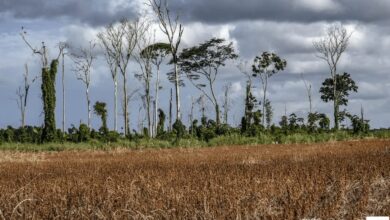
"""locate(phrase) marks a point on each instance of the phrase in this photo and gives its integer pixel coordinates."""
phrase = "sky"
(286, 27)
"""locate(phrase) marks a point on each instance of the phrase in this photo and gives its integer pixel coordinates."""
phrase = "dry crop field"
(345, 180)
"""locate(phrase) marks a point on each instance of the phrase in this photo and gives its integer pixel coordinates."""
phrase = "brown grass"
(346, 180)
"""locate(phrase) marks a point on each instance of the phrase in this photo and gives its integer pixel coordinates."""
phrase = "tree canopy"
(344, 86)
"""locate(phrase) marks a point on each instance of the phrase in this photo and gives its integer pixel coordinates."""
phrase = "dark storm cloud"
(220, 11)
(94, 12)
(98, 12)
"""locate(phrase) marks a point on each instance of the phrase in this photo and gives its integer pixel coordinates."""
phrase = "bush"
(84, 133)
(179, 129)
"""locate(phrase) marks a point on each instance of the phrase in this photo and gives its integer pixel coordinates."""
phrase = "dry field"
(346, 180)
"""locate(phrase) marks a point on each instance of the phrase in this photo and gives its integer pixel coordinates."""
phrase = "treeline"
(204, 130)
(133, 41)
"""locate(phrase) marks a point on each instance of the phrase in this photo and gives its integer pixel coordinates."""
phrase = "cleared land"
(344, 180)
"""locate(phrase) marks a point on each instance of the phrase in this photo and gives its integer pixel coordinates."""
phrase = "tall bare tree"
(62, 46)
(173, 30)
(41, 52)
(144, 58)
(330, 49)
(158, 52)
(22, 94)
(83, 60)
(119, 42)
(111, 40)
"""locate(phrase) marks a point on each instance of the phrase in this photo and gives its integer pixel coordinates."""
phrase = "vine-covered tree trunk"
(170, 112)
(336, 115)
(335, 103)
(49, 102)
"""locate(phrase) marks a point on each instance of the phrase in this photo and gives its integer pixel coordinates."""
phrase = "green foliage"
(204, 61)
(251, 122)
(339, 94)
(284, 123)
(250, 103)
(268, 113)
(344, 86)
(179, 129)
(27, 134)
(359, 125)
(294, 122)
(233, 137)
(210, 54)
(49, 102)
(84, 134)
(264, 67)
(156, 52)
(101, 111)
(161, 123)
(324, 122)
(268, 64)
(112, 136)
(312, 121)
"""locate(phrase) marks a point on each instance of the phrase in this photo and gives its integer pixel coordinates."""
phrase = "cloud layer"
(287, 27)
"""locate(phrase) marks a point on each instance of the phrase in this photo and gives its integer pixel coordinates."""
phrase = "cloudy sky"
(287, 27)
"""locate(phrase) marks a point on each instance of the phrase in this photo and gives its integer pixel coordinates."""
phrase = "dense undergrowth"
(171, 141)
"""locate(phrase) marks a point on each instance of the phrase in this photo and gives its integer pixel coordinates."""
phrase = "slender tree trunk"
(63, 93)
(177, 87)
(125, 112)
(148, 107)
(335, 102)
(203, 107)
(192, 115)
(225, 114)
(310, 104)
(23, 101)
(154, 121)
(89, 107)
(156, 101)
(265, 85)
(362, 114)
(23, 110)
(217, 118)
(116, 104)
(25, 106)
(170, 111)
(336, 116)
(226, 105)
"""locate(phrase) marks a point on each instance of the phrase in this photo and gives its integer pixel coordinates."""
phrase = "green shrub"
(179, 129)
(84, 133)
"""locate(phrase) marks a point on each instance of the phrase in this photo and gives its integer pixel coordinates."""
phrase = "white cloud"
(319, 5)
(195, 33)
